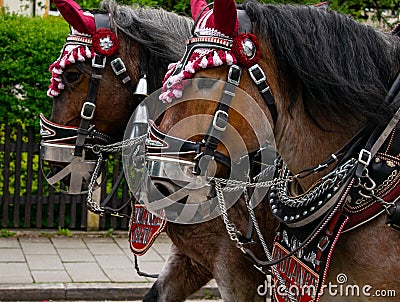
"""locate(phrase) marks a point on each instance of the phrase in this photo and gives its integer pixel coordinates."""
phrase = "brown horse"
(327, 76)
(199, 252)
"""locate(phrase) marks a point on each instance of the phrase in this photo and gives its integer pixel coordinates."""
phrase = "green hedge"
(27, 47)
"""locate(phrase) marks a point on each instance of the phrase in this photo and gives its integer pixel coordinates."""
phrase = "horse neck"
(303, 144)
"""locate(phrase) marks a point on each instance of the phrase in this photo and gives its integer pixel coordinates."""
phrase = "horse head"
(304, 85)
(103, 72)
(193, 135)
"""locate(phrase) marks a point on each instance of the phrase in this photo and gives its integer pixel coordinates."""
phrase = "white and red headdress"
(218, 25)
(83, 42)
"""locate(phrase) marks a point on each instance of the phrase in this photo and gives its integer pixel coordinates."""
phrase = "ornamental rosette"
(105, 42)
(246, 49)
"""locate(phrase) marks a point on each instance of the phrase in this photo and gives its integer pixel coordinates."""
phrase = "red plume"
(225, 17)
(75, 17)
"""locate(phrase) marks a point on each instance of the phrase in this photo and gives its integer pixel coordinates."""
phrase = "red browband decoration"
(241, 47)
(81, 39)
(222, 41)
(105, 42)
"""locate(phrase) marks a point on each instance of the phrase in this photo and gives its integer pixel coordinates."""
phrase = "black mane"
(159, 33)
(345, 68)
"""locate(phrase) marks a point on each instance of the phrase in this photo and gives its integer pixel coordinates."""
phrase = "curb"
(85, 291)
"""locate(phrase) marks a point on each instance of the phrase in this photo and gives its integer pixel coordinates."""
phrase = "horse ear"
(73, 14)
(225, 17)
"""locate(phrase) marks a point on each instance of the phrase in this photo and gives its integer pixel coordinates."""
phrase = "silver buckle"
(230, 80)
(323, 243)
(87, 117)
(102, 65)
(257, 81)
(113, 66)
(215, 120)
(363, 153)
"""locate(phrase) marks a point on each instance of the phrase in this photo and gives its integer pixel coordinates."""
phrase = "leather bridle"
(206, 150)
(57, 140)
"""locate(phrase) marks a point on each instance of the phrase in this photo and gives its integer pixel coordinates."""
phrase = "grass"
(109, 232)
(208, 295)
(64, 232)
(4, 233)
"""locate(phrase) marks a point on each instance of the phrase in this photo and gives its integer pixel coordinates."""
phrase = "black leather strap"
(259, 78)
(245, 25)
(87, 112)
(220, 120)
(378, 136)
(120, 71)
(102, 20)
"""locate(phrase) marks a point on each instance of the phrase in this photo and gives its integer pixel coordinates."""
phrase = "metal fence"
(27, 201)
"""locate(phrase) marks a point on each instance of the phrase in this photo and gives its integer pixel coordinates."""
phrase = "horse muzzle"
(165, 172)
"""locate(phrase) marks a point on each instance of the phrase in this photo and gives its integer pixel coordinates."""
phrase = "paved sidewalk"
(87, 266)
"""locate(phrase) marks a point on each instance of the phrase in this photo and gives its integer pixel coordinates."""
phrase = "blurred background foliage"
(30, 44)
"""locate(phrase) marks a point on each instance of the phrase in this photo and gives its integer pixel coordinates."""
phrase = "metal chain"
(230, 227)
(232, 185)
(264, 245)
(91, 204)
(234, 233)
(333, 179)
(116, 147)
(99, 149)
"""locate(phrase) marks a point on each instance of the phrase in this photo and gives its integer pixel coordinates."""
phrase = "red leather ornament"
(105, 42)
(246, 49)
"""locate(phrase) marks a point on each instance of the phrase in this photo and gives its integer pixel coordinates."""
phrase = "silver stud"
(249, 48)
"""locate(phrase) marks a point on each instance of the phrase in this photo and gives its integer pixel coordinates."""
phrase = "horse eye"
(205, 83)
(72, 76)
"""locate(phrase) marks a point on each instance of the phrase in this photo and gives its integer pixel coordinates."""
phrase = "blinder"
(57, 148)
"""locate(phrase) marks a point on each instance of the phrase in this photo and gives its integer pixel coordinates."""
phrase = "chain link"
(234, 233)
(230, 227)
(333, 179)
(264, 245)
(99, 149)
(232, 185)
(91, 204)
(117, 147)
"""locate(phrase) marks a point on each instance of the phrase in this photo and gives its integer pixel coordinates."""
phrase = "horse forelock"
(345, 68)
(160, 34)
